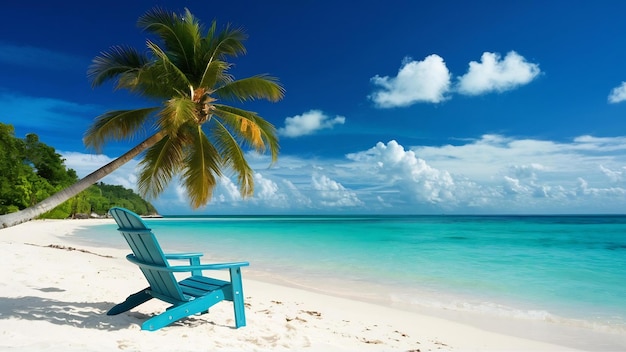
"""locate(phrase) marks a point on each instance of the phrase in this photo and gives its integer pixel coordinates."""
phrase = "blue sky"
(448, 107)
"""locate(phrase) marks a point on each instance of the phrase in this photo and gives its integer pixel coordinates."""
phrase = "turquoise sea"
(568, 270)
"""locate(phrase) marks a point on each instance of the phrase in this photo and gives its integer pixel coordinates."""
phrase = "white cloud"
(513, 185)
(535, 175)
(494, 155)
(411, 176)
(309, 123)
(417, 81)
(333, 193)
(618, 94)
(270, 194)
(527, 171)
(613, 175)
(491, 174)
(607, 192)
(181, 193)
(496, 74)
(226, 191)
(265, 188)
(84, 164)
(296, 198)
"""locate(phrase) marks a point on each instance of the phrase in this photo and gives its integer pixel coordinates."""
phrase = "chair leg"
(131, 302)
(238, 304)
(184, 310)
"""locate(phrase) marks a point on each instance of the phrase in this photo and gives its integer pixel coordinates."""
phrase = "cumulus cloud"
(527, 171)
(608, 192)
(412, 176)
(613, 175)
(600, 144)
(529, 180)
(430, 80)
(618, 94)
(333, 193)
(295, 196)
(532, 189)
(513, 185)
(417, 81)
(493, 73)
(226, 191)
(309, 123)
(265, 188)
(84, 164)
(490, 174)
(492, 155)
(275, 195)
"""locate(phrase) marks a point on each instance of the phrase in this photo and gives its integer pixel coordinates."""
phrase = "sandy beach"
(55, 295)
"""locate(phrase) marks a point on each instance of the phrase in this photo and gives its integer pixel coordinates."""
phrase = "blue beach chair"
(193, 295)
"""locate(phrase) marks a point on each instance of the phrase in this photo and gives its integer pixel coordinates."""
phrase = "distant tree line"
(31, 171)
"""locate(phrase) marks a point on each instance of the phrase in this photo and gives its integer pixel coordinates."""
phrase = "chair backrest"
(147, 250)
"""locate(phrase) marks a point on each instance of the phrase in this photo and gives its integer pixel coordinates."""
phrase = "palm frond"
(228, 42)
(255, 87)
(176, 112)
(234, 158)
(246, 130)
(152, 82)
(250, 128)
(159, 164)
(181, 34)
(214, 73)
(121, 63)
(169, 74)
(116, 125)
(214, 49)
(202, 165)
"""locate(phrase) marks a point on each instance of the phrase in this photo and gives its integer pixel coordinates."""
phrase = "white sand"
(55, 299)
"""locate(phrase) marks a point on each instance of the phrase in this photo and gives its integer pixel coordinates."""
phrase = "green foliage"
(47, 163)
(31, 171)
(60, 212)
(98, 199)
(112, 195)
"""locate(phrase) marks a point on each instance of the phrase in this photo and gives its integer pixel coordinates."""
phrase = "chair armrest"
(186, 268)
(216, 266)
(183, 255)
(194, 259)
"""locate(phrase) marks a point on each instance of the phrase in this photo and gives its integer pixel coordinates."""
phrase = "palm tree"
(193, 135)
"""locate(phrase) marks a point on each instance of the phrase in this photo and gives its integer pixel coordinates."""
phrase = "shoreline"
(39, 279)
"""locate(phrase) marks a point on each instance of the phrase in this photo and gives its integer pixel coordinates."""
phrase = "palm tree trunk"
(12, 219)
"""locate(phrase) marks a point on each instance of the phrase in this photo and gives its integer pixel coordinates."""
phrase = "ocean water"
(569, 270)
